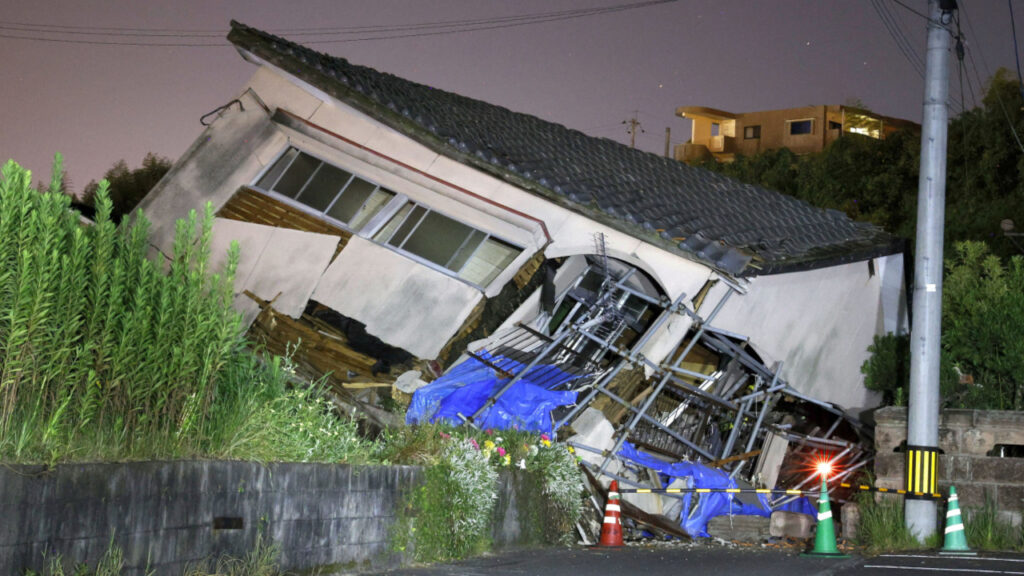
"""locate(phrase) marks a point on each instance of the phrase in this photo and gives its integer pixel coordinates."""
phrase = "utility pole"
(923, 408)
(633, 123)
(668, 139)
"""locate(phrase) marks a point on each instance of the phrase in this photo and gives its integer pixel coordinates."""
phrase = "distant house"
(721, 135)
(386, 222)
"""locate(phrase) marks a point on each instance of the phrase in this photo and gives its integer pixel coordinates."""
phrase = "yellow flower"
(488, 446)
(507, 459)
(546, 443)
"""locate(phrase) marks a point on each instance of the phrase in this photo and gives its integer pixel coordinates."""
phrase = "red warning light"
(822, 465)
(824, 468)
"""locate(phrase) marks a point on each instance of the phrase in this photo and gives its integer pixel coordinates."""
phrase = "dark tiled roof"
(734, 227)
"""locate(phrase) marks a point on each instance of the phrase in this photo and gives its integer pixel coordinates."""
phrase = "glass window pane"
(437, 238)
(490, 259)
(275, 171)
(324, 187)
(801, 127)
(375, 204)
(384, 234)
(297, 175)
(460, 258)
(351, 200)
(414, 218)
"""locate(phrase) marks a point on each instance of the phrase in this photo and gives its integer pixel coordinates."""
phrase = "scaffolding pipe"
(664, 380)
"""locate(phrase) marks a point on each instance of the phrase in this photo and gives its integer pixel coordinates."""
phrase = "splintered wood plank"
(255, 207)
(321, 349)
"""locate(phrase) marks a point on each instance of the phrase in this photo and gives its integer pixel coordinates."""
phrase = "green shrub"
(887, 369)
(983, 327)
(450, 516)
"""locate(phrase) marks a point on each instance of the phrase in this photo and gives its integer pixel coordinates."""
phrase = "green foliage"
(983, 327)
(127, 187)
(261, 418)
(986, 531)
(261, 561)
(450, 516)
(882, 525)
(877, 180)
(887, 370)
(104, 355)
(111, 564)
(455, 504)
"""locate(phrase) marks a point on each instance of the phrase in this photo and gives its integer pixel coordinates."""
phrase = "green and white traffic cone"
(956, 538)
(825, 535)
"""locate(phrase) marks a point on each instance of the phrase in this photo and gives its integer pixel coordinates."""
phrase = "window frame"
(790, 123)
(379, 220)
(392, 210)
(297, 203)
(754, 128)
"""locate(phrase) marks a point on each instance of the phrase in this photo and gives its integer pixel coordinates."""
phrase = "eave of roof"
(735, 228)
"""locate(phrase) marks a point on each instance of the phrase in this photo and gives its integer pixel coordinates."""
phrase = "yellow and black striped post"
(922, 471)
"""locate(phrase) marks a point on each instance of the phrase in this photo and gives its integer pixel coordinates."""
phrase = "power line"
(908, 8)
(999, 97)
(44, 32)
(898, 36)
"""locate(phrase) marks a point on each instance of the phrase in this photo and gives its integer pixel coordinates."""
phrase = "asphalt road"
(661, 560)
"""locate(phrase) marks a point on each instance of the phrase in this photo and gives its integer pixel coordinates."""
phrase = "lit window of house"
(327, 189)
(751, 132)
(797, 127)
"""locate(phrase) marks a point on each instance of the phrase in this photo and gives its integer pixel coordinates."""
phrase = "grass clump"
(987, 531)
(882, 526)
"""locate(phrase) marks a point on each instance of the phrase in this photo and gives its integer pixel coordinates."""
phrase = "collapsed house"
(386, 225)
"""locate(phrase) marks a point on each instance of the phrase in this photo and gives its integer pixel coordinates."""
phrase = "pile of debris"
(712, 415)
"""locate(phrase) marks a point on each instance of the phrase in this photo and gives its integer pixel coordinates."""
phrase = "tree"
(877, 180)
(128, 187)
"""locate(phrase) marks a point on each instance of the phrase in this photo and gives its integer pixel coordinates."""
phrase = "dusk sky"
(67, 89)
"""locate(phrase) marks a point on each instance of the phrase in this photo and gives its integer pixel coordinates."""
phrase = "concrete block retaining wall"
(167, 515)
(966, 438)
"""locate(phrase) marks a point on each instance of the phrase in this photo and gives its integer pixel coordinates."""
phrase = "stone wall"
(966, 438)
(167, 515)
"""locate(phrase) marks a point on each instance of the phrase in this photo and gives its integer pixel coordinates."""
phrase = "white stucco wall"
(819, 323)
(412, 307)
(276, 264)
(225, 156)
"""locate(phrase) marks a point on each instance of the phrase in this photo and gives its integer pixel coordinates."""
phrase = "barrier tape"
(786, 492)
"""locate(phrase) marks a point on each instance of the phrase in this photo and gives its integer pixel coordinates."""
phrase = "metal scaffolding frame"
(742, 399)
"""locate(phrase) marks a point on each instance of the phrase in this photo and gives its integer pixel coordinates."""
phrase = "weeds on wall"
(105, 355)
(450, 516)
(261, 561)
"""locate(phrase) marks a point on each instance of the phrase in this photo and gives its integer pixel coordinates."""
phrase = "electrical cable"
(1016, 51)
(999, 98)
(30, 31)
(908, 53)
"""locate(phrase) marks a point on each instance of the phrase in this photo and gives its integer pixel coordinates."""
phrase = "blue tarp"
(527, 405)
(710, 505)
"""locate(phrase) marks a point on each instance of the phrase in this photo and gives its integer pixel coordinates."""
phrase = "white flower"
(521, 464)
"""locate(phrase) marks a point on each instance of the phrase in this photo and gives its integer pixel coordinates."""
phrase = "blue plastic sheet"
(527, 405)
(709, 505)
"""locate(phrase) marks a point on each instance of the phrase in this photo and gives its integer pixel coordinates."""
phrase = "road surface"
(716, 560)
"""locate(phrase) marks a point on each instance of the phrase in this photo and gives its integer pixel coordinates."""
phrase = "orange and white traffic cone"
(611, 530)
